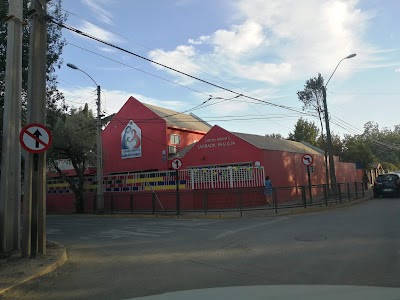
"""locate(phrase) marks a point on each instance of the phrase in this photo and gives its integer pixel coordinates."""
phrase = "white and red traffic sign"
(35, 138)
(307, 159)
(176, 164)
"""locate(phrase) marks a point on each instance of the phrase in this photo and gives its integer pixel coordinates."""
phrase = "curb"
(50, 268)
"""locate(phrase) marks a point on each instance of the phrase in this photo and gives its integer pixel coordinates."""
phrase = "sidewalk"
(15, 270)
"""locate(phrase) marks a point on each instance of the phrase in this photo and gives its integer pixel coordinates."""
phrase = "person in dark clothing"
(267, 190)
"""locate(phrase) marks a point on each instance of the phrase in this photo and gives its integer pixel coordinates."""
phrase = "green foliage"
(305, 131)
(389, 167)
(337, 143)
(74, 139)
(275, 135)
(312, 95)
(356, 149)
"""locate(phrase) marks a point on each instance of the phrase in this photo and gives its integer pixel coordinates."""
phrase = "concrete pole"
(10, 186)
(100, 193)
(332, 171)
(35, 164)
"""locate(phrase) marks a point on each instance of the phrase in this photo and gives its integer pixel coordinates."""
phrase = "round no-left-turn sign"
(307, 159)
(35, 138)
(176, 164)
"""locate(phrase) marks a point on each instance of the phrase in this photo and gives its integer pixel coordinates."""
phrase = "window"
(175, 139)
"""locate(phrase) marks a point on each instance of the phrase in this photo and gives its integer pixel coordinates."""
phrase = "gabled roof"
(179, 120)
(313, 147)
(269, 143)
(182, 152)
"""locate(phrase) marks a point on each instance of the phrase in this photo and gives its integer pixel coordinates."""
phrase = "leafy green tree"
(305, 131)
(74, 139)
(384, 143)
(312, 98)
(389, 167)
(337, 144)
(356, 149)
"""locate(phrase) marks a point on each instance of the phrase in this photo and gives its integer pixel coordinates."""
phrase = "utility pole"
(34, 225)
(332, 171)
(99, 152)
(100, 193)
(10, 186)
(329, 145)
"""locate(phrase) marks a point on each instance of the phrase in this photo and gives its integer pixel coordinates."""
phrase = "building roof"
(179, 120)
(313, 147)
(269, 143)
(182, 152)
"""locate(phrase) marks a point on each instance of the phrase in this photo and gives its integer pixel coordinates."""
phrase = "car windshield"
(387, 178)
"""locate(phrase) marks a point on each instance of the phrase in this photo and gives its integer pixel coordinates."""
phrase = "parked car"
(387, 185)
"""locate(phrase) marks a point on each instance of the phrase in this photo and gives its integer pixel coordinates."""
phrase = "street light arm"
(89, 76)
(334, 71)
(72, 66)
(347, 57)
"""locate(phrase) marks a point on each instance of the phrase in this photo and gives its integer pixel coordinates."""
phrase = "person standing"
(268, 190)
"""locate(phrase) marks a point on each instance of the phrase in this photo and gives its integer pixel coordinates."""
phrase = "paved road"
(119, 258)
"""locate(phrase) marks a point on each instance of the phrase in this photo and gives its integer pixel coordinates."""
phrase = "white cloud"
(112, 100)
(103, 14)
(108, 49)
(241, 39)
(397, 70)
(276, 41)
(99, 32)
(199, 41)
(183, 56)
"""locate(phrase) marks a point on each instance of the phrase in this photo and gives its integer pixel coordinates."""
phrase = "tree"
(55, 45)
(312, 97)
(384, 143)
(355, 149)
(305, 131)
(275, 136)
(74, 139)
(337, 144)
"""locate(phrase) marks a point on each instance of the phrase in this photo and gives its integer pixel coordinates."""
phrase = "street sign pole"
(307, 161)
(178, 199)
(309, 183)
(176, 165)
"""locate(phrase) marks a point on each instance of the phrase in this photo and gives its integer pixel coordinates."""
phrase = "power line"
(160, 64)
(137, 69)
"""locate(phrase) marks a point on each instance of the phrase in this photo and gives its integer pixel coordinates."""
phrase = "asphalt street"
(121, 258)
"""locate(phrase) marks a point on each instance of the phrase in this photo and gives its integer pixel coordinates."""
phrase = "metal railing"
(236, 199)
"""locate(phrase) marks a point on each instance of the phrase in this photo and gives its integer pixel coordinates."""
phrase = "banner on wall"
(131, 141)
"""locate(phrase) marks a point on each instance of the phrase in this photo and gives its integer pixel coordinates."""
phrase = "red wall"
(153, 140)
(218, 147)
(287, 168)
(187, 137)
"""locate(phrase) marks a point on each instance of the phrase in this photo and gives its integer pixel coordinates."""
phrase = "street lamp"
(328, 131)
(99, 158)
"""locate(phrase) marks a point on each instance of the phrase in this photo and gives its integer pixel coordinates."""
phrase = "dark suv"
(387, 185)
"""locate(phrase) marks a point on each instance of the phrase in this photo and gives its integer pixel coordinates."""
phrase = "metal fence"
(235, 199)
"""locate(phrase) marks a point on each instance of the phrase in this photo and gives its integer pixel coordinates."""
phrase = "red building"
(141, 140)
(142, 137)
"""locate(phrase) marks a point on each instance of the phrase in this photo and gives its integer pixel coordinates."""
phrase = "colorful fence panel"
(189, 179)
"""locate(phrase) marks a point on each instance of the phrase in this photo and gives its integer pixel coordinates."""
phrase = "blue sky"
(264, 49)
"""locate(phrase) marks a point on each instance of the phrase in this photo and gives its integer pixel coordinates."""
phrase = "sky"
(263, 50)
